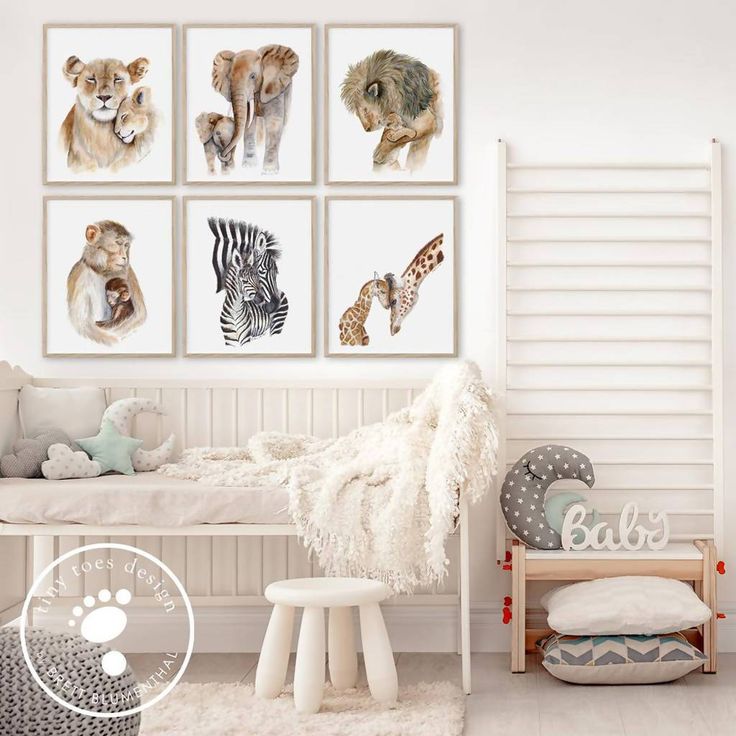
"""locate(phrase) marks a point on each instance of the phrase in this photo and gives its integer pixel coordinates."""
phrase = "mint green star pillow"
(111, 449)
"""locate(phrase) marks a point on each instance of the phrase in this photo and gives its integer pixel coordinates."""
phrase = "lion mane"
(403, 84)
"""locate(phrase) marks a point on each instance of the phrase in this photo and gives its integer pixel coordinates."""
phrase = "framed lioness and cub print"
(108, 276)
(109, 104)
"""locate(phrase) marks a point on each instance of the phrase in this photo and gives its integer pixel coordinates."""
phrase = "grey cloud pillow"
(28, 454)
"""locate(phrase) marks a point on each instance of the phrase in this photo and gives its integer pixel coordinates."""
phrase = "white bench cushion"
(146, 499)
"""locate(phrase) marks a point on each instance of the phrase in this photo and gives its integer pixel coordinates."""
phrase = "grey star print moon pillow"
(526, 484)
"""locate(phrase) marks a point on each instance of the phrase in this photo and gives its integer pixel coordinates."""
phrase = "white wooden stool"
(314, 595)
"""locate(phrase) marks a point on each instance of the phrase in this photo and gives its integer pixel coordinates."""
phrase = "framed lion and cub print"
(108, 276)
(390, 108)
(109, 104)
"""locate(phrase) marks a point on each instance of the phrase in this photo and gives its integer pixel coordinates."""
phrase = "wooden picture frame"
(330, 91)
(170, 304)
(401, 203)
(169, 120)
(262, 180)
(311, 252)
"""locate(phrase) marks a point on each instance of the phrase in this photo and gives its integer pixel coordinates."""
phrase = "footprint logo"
(103, 622)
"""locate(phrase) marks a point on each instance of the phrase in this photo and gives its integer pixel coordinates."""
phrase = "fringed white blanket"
(380, 501)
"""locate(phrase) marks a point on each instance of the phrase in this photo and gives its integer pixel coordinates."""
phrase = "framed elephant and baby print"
(249, 103)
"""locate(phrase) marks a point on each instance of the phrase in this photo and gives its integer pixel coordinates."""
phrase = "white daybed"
(152, 506)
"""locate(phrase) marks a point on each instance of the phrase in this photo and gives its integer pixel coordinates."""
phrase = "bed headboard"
(11, 381)
(227, 412)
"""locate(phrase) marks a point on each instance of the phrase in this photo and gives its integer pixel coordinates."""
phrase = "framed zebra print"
(249, 276)
(389, 273)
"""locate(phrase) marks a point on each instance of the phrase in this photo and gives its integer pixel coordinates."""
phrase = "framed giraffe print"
(249, 276)
(390, 281)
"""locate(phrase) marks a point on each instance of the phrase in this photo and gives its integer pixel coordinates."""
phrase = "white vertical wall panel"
(611, 296)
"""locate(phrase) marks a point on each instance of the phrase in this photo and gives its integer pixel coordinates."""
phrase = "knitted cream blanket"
(380, 501)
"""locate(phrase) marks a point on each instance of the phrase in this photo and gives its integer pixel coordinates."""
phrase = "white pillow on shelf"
(76, 411)
(633, 604)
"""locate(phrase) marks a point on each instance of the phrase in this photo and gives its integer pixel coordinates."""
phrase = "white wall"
(565, 79)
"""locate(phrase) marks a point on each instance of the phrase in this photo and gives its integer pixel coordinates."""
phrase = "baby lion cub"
(135, 126)
(117, 295)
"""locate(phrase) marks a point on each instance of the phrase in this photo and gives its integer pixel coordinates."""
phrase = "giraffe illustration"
(352, 322)
(403, 293)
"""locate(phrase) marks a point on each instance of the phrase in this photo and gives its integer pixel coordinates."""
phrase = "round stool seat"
(327, 592)
(314, 595)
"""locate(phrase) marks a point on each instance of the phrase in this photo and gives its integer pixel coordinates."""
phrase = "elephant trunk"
(244, 110)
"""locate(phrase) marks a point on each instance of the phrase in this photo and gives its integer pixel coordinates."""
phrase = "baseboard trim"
(411, 629)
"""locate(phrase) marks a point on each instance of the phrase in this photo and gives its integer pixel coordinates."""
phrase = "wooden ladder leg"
(710, 630)
(706, 590)
(518, 607)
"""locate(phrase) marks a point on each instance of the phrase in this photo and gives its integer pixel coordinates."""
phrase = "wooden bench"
(688, 561)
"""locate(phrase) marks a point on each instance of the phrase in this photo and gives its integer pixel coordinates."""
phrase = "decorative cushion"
(619, 660)
(26, 709)
(65, 463)
(525, 486)
(76, 411)
(121, 413)
(624, 605)
(110, 449)
(28, 454)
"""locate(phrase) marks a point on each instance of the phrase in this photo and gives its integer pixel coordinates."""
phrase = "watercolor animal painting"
(110, 125)
(258, 85)
(401, 95)
(398, 295)
(104, 298)
(245, 259)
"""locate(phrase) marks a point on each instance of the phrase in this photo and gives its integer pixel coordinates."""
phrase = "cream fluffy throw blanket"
(380, 501)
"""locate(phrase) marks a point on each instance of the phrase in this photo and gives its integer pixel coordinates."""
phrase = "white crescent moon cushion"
(64, 463)
(121, 414)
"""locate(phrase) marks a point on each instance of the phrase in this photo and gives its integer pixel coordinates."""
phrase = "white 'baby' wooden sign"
(631, 536)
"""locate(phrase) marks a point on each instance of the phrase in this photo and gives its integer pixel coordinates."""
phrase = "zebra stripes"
(244, 258)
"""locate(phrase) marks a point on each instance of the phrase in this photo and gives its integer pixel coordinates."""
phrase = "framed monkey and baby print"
(108, 276)
(247, 117)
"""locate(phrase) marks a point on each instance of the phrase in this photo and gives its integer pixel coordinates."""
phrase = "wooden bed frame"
(202, 419)
(691, 562)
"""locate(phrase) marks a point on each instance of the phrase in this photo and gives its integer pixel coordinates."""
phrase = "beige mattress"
(146, 499)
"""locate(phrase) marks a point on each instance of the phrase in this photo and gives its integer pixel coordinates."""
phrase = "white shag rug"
(231, 709)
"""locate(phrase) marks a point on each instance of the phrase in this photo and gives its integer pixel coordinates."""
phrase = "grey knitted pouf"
(26, 709)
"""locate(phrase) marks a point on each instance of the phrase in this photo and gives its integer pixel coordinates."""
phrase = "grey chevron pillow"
(619, 660)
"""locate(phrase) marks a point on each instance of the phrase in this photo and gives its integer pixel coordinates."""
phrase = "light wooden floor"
(536, 704)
